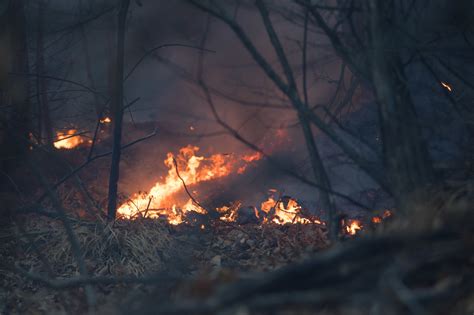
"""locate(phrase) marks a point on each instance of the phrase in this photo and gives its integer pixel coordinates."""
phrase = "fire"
(376, 220)
(285, 210)
(187, 168)
(192, 169)
(446, 86)
(105, 120)
(249, 158)
(252, 157)
(69, 139)
(229, 213)
(353, 227)
(379, 219)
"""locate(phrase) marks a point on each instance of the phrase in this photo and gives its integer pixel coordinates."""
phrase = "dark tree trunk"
(117, 105)
(15, 119)
(406, 158)
(98, 105)
(45, 126)
(321, 177)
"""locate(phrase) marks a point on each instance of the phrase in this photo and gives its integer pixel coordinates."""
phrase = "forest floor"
(146, 266)
(139, 248)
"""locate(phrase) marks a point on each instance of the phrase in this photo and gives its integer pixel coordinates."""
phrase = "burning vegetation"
(188, 169)
(70, 139)
(311, 157)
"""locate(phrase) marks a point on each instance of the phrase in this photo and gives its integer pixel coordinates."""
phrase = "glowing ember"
(105, 120)
(376, 220)
(193, 169)
(353, 227)
(379, 219)
(446, 86)
(69, 139)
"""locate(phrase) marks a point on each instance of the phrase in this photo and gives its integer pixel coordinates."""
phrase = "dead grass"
(125, 248)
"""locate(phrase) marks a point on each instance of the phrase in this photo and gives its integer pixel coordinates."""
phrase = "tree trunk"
(45, 126)
(321, 177)
(117, 105)
(406, 156)
(98, 105)
(15, 119)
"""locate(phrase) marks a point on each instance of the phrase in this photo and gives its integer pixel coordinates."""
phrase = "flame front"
(163, 200)
(69, 139)
(192, 169)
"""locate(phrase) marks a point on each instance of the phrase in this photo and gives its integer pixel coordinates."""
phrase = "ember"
(446, 86)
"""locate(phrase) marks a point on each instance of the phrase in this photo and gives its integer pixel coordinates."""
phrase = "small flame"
(446, 86)
(68, 140)
(354, 227)
(105, 120)
(229, 213)
(376, 220)
(288, 211)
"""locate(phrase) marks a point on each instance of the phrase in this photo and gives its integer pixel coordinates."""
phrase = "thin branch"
(88, 161)
(79, 281)
(152, 50)
(186, 187)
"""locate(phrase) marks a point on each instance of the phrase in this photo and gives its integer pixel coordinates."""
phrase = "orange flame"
(105, 120)
(193, 169)
(283, 212)
(162, 200)
(376, 220)
(354, 227)
(229, 213)
(68, 140)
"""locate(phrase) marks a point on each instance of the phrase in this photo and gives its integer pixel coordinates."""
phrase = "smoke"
(171, 102)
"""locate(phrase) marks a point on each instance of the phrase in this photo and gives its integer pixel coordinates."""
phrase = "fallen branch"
(75, 282)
